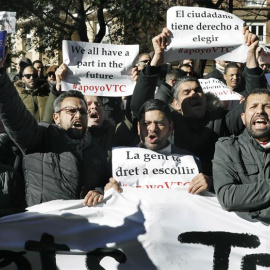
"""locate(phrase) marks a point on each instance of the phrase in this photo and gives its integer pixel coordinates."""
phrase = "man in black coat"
(60, 160)
(197, 124)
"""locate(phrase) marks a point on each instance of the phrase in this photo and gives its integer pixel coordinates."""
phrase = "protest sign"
(143, 168)
(203, 33)
(99, 69)
(219, 89)
(8, 21)
(142, 228)
(264, 55)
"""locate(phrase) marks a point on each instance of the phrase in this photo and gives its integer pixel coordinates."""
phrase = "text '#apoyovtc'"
(104, 88)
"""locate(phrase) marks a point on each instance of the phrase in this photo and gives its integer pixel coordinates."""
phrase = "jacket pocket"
(248, 172)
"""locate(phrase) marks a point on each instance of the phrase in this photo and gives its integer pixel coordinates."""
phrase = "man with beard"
(155, 126)
(33, 92)
(60, 160)
(241, 165)
(198, 122)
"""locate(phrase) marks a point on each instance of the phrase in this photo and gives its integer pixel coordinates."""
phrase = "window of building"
(255, 3)
(259, 30)
(28, 42)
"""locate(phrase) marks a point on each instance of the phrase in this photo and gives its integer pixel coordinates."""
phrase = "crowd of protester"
(58, 145)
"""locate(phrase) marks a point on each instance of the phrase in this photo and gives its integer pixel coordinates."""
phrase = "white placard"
(143, 168)
(8, 21)
(264, 55)
(219, 89)
(99, 69)
(203, 33)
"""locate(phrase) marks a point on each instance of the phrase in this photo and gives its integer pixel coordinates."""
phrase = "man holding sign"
(197, 127)
(155, 126)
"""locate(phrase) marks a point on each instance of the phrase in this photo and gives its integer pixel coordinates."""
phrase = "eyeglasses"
(73, 111)
(28, 76)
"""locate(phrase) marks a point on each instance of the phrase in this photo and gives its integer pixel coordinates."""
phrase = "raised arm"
(147, 81)
(20, 124)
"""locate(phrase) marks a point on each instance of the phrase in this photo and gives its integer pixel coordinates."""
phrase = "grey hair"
(184, 79)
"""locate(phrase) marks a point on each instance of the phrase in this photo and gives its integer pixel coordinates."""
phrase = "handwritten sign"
(99, 69)
(202, 33)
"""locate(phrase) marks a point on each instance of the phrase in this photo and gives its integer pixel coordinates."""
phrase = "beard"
(258, 134)
(76, 134)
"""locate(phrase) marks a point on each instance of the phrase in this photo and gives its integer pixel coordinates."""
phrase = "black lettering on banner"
(7, 257)
(222, 243)
(47, 249)
(249, 262)
(94, 257)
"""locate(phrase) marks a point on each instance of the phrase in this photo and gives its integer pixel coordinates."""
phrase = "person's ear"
(243, 118)
(176, 105)
(139, 129)
(56, 118)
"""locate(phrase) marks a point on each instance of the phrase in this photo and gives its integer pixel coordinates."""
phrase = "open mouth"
(152, 138)
(93, 115)
(260, 123)
(77, 124)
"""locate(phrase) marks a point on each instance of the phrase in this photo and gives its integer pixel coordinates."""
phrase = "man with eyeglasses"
(33, 92)
(60, 160)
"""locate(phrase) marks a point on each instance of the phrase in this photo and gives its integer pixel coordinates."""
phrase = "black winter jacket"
(51, 170)
(197, 135)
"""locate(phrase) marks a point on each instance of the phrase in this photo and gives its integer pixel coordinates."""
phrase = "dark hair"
(31, 67)
(255, 91)
(174, 74)
(185, 65)
(155, 104)
(37, 61)
(184, 79)
(231, 65)
(71, 93)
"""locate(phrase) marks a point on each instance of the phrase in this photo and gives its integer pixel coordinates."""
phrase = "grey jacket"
(241, 171)
(51, 169)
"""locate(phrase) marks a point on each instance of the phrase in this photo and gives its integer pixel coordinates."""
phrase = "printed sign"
(8, 21)
(203, 33)
(219, 89)
(99, 69)
(142, 168)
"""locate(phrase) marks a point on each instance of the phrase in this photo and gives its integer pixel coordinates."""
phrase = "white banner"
(8, 21)
(203, 33)
(143, 168)
(219, 89)
(99, 69)
(152, 229)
